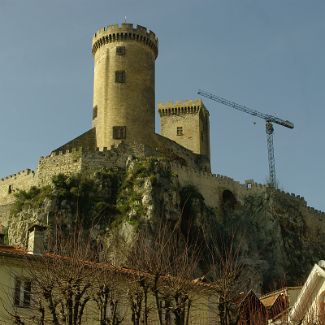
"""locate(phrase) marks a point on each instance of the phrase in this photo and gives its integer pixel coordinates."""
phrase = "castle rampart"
(9, 185)
(125, 32)
(212, 186)
(88, 162)
(66, 162)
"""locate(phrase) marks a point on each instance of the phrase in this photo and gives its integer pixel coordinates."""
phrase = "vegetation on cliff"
(267, 230)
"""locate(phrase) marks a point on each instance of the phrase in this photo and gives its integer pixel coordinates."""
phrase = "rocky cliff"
(272, 236)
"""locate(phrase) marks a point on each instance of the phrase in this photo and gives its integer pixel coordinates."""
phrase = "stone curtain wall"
(187, 169)
(9, 185)
(22, 180)
(68, 162)
(115, 157)
(211, 187)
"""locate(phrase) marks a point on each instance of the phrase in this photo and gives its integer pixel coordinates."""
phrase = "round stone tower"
(124, 84)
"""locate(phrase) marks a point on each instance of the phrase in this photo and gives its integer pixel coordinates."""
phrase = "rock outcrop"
(274, 243)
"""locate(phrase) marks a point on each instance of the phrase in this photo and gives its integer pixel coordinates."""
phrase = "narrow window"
(27, 293)
(22, 293)
(94, 112)
(120, 76)
(179, 130)
(119, 132)
(10, 189)
(120, 50)
(17, 292)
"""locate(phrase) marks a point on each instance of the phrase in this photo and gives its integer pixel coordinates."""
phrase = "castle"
(123, 124)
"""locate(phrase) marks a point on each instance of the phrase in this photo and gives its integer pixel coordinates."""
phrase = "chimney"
(321, 263)
(36, 240)
(2, 235)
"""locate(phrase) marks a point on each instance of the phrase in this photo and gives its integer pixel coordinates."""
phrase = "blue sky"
(268, 55)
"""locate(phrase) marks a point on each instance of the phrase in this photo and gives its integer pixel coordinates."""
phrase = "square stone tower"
(187, 123)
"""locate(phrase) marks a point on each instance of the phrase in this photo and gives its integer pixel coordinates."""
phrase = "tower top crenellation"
(124, 32)
(180, 107)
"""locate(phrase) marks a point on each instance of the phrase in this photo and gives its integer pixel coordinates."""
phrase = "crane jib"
(269, 119)
(266, 117)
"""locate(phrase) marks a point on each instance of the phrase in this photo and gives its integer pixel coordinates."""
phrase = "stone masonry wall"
(4, 214)
(9, 185)
(22, 180)
(187, 123)
(127, 101)
(68, 162)
(188, 136)
(170, 149)
(209, 185)
(212, 186)
(115, 157)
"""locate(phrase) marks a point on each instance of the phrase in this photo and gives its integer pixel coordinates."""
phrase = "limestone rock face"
(277, 242)
(148, 197)
(274, 242)
(18, 228)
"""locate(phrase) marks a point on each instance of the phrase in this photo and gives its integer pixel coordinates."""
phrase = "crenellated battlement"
(207, 181)
(293, 196)
(125, 32)
(22, 180)
(315, 211)
(84, 151)
(23, 172)
(190, 106)
(63, 152)
(78, 159)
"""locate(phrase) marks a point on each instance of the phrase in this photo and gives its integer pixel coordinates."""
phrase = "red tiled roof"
(18, 252)
(11, 250)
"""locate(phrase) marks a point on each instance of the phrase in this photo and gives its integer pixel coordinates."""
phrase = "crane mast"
(269, 120)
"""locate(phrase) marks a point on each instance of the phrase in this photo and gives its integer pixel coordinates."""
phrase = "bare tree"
(107, 295)
(59, 282)
(226, 269)
(172, 264)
